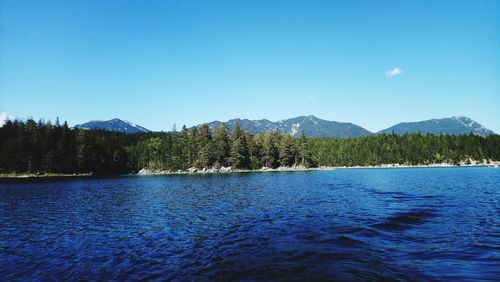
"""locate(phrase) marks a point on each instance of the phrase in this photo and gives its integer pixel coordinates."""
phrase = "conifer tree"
(303, 150)
(287, 151)
(221, 145)
(238, 154)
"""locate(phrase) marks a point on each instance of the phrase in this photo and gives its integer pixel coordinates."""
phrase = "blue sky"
(374, 63)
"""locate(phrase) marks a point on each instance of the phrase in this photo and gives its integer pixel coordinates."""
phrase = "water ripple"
(348, 225)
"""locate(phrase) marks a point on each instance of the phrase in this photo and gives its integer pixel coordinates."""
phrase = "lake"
(353, 224)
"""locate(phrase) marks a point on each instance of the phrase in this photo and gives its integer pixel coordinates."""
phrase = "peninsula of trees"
(42, 147)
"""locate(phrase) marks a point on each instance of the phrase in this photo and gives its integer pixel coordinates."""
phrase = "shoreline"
(42, 176)
(193, 171)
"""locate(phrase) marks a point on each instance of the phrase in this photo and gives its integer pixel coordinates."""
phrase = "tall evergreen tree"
(270, 156)
(204, 152)
(303, 150)
(221, 145)
(287, 152)
(238, 154)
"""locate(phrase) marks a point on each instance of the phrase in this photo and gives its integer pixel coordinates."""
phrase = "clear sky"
(374, 63)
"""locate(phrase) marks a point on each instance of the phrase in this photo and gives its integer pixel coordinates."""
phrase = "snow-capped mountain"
(316, 127)
(312, 126)
(115, 124)
(454, 125)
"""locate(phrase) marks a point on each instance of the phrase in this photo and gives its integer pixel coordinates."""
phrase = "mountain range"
(312, 126)
(316, 127)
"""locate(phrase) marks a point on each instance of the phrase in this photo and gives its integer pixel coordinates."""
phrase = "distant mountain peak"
(468, 122)
(454, 125)
(115, 124)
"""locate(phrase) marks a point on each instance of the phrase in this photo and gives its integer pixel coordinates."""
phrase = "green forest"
(43, 147)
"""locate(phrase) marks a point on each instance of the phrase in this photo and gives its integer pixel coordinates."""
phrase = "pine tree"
(221, 146)
(204, 151)
(238, 154)
(193, 145)
(287, 151)
(303, 150)
(270, 154)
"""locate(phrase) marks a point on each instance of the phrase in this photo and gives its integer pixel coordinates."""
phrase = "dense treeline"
(44, 147)
(199, 147)
(411, 149)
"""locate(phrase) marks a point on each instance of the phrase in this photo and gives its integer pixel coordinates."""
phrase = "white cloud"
(393, 72)
(4, 117)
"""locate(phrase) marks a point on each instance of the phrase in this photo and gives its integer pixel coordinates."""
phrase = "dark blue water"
(363, 224)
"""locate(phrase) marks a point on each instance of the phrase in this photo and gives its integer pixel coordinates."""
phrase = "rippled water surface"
(360, 224)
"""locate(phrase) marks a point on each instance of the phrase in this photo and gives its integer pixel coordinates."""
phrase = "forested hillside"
(44, 147)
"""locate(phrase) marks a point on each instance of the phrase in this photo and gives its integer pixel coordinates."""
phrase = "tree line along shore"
(42, 149)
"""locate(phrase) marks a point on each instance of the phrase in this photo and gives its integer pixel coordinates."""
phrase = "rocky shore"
(223, 170)
(194, 170)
